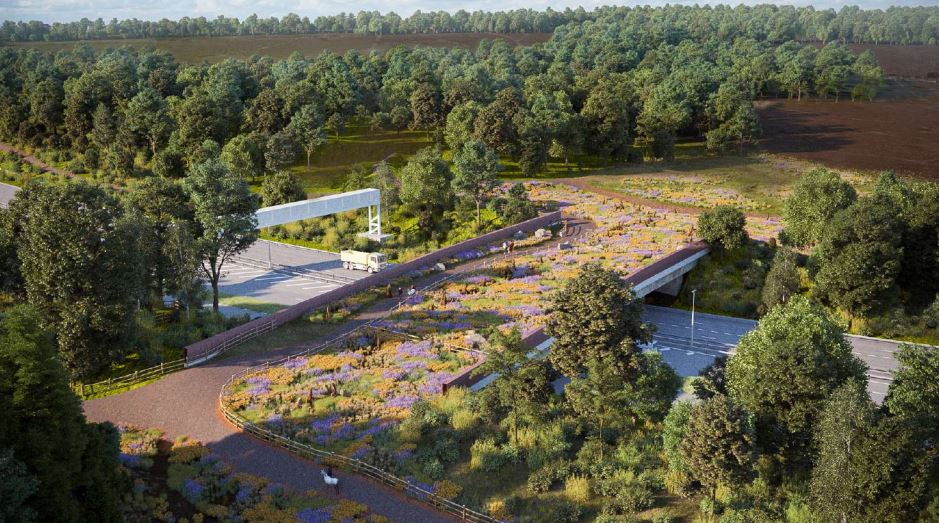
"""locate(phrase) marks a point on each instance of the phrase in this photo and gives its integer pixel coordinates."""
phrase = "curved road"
(185, 404)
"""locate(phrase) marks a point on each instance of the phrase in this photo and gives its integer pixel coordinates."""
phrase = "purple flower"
(433, 383)
(295, 363)
(416, 299)
(357, 356)
(528, 310)
(244, 494)
(129, 460)
(344, 431)
(403, 455)
(192, 490)
(315, 515)
(520, 271)
(360, 452)
(393, 374)
(275, 419)
(420, 349)
(401, 402)
(259, 385)
(411, 366)
(324, 424)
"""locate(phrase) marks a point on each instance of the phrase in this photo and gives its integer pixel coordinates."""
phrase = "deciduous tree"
(224, 217)
(476, 170)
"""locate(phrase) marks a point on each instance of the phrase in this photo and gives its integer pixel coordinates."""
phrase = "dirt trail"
(32, 160)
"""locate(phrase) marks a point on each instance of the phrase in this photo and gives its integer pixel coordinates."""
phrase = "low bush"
(577, 489)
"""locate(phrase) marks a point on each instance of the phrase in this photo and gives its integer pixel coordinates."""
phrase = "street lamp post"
(693, 291)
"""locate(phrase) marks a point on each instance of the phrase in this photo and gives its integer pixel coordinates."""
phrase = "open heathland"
(898, 131)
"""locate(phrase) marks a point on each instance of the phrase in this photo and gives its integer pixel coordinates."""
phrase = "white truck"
(363, 261)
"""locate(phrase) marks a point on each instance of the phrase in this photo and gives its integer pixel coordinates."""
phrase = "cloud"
(68, 10)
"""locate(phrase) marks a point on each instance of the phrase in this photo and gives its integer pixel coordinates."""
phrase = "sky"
(68, 10)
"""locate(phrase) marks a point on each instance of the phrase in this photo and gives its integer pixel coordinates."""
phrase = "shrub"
(433, 469)
(485, 455)
(188, 453)
(723, 227)
(541, 480)
(447, 489)
(577, 489)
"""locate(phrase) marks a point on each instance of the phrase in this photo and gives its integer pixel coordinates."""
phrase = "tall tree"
(523, 383)
(82, 271)
(224, 216)
(860, 256)
(426, 186)
(281, 187)
(163, 206)
(782, 280)
(914, 392)
(281, 151)
(719, 446)
(723, 227)
(816, 197)
(785, 369)
(598, 396)
(476, 173)
(68, 469)
(147, 116)
(595, 315)
(244, 155)
(847, 417)
(307, 126)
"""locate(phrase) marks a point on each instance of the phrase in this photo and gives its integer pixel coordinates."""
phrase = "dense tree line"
(610, 89)
(88, 261)
(898, 25)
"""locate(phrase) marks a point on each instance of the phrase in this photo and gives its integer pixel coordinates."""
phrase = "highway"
(274, 272)
(6, 193)
(718, 335)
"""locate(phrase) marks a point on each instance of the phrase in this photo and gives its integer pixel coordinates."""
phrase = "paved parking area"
(274, 272)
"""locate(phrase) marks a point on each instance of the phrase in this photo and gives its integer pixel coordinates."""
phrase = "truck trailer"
(363, 261)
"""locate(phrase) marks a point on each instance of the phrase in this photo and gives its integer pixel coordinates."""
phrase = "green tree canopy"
(426, 186)
(914, 392)
(719, 443)
(816, 197)
(859, 257)
(68, 469)
(784, 370)
(723, 227)
(82, 271)
(224, 217)
(244, 155)
(596, 315)
(476, 169)
(783, 280)
(281, 187)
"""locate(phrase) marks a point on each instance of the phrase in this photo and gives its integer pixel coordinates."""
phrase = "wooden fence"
(128, 380)
(331, 458)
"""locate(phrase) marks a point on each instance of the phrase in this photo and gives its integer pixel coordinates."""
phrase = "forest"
(897, 25)
(613, 89)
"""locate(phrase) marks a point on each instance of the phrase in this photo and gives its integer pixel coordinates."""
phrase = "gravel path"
(185, 404)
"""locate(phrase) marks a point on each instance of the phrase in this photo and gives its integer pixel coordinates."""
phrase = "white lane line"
(273, 278)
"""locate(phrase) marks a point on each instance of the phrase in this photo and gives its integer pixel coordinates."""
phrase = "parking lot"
(274, 272)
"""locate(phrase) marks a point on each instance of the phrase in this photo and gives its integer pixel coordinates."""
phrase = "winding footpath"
(186, 404)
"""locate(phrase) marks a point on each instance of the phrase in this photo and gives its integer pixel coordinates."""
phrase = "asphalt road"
(275, 272)
(718, 335)
(6, 193)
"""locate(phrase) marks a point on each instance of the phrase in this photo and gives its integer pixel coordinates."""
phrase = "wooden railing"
(85, 391)
(338, 460)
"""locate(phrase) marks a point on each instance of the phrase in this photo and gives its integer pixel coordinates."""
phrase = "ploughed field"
(215, 49)
(899, 130)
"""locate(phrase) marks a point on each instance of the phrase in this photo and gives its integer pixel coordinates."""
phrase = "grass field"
(278, 47)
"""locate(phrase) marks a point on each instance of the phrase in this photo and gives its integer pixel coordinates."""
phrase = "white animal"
(329, 480)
